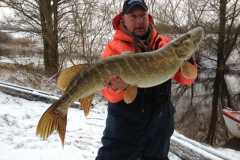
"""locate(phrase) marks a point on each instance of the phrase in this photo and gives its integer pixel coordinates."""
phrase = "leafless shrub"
(24, 42)
(4, 37)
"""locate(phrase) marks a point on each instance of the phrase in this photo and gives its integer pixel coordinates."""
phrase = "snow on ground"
(207, 151)
(18, 122)
(18, 140)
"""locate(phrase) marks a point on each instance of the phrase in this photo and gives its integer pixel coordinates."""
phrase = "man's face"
(136, 21)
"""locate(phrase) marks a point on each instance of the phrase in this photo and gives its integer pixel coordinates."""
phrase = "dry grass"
(5, 38)
(24, 73)
(10, 46)
(32, 78)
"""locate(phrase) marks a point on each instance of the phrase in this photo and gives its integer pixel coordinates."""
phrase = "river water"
(199, 107)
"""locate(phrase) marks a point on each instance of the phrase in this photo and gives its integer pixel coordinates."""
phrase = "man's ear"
(123, 20)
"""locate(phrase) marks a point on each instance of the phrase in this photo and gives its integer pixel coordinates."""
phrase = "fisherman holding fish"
(134, 75)
(142, 129)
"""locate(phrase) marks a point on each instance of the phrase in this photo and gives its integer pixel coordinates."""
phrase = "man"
(141, 129)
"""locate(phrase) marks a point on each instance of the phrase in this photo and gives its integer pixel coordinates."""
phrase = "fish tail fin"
(52, 120)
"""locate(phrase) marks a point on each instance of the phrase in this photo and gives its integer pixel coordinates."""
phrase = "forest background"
(63, 33)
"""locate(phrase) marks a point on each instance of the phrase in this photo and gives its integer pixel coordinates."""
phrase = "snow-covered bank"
(207, 151)
(18, 140)
(19, 118)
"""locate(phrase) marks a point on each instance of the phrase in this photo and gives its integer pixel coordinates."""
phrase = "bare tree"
(80, 29)
(83, 28)
(89, 30)
(229, 30)
(49, 24)
(219, 18)
(41, 17)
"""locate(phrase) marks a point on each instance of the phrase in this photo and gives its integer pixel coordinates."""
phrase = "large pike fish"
(139, 70)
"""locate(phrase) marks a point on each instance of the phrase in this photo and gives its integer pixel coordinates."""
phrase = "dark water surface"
(199, 108)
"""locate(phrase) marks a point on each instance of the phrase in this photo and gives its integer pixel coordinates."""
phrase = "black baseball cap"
(129, 4)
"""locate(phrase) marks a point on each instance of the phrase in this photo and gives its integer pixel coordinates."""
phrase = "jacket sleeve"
(178, 77)
(111, 94)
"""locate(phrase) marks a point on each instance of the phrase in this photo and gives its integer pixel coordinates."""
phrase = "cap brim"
(134, 4)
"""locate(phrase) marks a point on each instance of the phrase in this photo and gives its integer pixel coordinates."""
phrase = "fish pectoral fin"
(68, 74)
(86, 104)
(50, 121)
(188, 70)
(130, 94)
(122, 88)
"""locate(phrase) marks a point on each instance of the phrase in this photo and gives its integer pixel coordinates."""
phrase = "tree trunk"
(49, 22)
(221, 36)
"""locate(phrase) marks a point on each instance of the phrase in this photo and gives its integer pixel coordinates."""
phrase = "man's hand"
(115, 83)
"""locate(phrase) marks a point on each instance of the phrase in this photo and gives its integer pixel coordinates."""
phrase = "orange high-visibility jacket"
(123, 43)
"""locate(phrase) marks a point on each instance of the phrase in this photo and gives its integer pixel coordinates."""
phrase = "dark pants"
(137, 131)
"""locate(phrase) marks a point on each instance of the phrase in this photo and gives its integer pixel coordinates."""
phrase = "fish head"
(186, 45)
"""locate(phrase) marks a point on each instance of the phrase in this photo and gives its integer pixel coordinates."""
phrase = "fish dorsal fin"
(86, 104)
(130, 94)
(68, 74)
(188, 70)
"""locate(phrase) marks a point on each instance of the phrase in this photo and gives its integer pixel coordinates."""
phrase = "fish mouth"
(197, 35)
